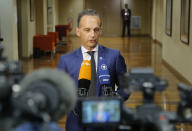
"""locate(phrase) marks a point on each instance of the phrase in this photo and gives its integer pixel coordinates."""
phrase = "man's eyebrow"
(86, 28)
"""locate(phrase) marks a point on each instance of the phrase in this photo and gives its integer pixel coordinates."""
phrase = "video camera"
(37, 99)
(10, 76)
(185, 106)
(111, 112)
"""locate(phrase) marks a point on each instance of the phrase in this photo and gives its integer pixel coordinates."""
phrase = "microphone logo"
(103, 67)
(85, 71)
(104, 76)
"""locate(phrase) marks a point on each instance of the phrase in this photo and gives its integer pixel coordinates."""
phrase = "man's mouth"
(92, 41)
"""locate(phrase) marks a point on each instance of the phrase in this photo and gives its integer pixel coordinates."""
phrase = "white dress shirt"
(86, 56)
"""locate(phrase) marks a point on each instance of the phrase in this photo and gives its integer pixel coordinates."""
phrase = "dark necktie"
(92, 89)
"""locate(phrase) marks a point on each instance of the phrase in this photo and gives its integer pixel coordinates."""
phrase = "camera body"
(10, 76)
(147, 116)
(185, 105)
(110, 112)
(101, 111)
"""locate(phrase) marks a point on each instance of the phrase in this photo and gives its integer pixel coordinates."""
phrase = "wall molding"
(158, 42)
(27, 57)
(171, 68)
(175, 72)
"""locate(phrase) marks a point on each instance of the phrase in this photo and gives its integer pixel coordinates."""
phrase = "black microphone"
(104, 78)
(45, 91)
(84, 78)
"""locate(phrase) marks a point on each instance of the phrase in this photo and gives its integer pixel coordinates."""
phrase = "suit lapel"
(78, 61)
(78, 54)
(100, 56)
(80, 57)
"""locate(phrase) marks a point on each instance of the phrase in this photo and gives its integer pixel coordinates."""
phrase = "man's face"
(89, 31)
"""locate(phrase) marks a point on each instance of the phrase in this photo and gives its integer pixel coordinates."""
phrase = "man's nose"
(92, 33)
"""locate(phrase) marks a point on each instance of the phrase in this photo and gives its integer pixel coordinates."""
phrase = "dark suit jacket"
(71, 64)
(122, 14)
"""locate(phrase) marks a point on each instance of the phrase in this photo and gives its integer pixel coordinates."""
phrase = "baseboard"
(72, 35)
(178, 75)
(26, 58)
(158, 42)
(141, 35)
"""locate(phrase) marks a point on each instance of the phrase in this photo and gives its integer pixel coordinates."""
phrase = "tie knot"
(91, 53)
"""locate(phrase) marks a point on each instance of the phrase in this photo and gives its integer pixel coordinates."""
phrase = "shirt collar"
(85, 50)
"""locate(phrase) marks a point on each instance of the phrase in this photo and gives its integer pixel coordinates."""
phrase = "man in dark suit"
(126, 19)
(89, 30)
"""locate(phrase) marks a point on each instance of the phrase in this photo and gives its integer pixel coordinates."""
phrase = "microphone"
(104, 78)
(1, 39)
(47, 94)
(84, 78)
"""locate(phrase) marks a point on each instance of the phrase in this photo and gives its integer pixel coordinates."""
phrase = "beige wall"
(31, 33)
(56, 12)
(158, 20)
(70, 9)
(8, 28)
(51, 15)
(27, 30)
(154, 19)
(53, 18)
(176, 53)
(42, 26)
(8, 25)
(109, 11)
(39, 18)
(45, 16)
(141, 8)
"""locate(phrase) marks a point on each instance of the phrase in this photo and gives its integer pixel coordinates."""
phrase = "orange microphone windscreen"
(85, 70)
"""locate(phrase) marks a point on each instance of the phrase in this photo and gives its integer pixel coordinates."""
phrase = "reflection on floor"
(138, 52)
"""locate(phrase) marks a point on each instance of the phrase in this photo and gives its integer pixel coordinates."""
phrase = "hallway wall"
(28, 29)
(109, 11)
(56, 11)
(70, 9)
(160, 20)
(141, 8)
(8, 28)
(39, 18)
(175, 53)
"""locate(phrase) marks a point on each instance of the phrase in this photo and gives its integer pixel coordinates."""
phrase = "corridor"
(137, 52)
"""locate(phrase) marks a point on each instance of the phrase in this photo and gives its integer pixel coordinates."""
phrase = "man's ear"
(101, 31)
(77, 31)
